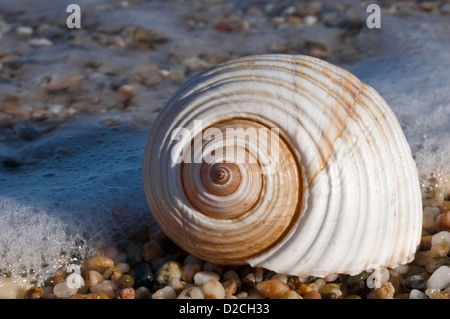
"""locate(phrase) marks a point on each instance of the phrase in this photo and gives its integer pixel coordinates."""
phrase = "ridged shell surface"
(337, 193)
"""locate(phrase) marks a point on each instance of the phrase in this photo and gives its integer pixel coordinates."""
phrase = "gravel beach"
(76, 106)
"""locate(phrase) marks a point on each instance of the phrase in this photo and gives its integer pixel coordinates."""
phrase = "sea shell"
(330, 186)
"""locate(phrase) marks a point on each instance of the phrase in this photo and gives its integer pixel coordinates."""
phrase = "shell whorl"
(337, 193)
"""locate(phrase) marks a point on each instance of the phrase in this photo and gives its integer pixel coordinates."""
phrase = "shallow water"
(78, 184)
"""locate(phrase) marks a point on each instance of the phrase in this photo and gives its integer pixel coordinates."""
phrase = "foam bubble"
(76, 185)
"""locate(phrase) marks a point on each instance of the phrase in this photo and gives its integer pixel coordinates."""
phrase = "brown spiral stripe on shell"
(231, 190)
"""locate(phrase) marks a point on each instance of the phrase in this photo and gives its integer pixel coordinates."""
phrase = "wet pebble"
(188, 272)
(213, 289)
(93, 278)
(202, 277)
(99, 263)
(61, 290)
(272, 288)
(417, 294)
(142, 274)
(166, 292)
(437, 262)
(191, 293)
(142, 293)
(416, 282)
(34, 293)
(440, 278)
(151, 250)
(125, 293)
(386, 291)
(168, 271)
(92, 295)
(125, 281)
(107, 286)
(312, 295)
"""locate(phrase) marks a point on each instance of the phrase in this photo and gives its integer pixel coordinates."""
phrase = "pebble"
(386, 291)
(332, 288)
(99, 263)
(231, 274)
(212, 267)
(93, 278)
(125, 281)
(213, 289)
(429, 221)
(113, 273)
(439, 296)
(41, 42)
(440, 278)
(203, 276)
(416, 282)
(34, 293)
(24, 31)
(176, 284)
(92, 295)
(431, 292)
(166, 292)
(231, 24)
(417, 294)
(188, 272)
(142, 293)
(151, 250)
(281, 277)
(312, 295)
(191, 259)
(107, 286)
(291, 294)
(440, 243)
(168, 271)
(230, 287)
(272, 288)
(142, 274)
(61, 290)
(125, 293)
(443, 221)
(191, 293)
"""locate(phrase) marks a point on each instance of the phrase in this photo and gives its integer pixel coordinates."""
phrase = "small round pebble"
(231, 274)
(416, 282)
(385, 292)
(166, 292)
(417, 294)
(188, 272)
(142, 293)
(93, 278)
(440, 278)
(230, 287)
(272, 288)
(125, 281)
(167, 271)
(203, 276)
(99, 263)
(312, 295)
(92, 295)
(191, 293)
(213, 289)
(151, 250)
(61, 290)
(34, 293)
(437, 262)
(126, 293)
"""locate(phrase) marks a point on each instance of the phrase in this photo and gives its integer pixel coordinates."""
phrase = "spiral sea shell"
(285, 162)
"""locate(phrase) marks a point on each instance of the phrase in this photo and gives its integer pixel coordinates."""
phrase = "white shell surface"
(360, 202)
